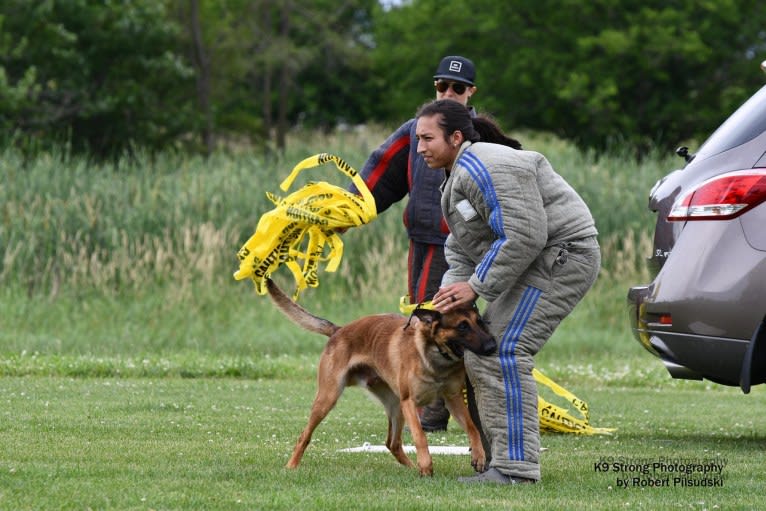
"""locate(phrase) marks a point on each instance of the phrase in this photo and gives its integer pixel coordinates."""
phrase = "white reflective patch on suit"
(466, 210)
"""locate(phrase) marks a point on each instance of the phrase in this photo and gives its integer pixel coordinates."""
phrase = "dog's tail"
(298, 314)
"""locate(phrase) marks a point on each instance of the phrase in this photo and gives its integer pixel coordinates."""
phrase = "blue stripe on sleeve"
(478, 172)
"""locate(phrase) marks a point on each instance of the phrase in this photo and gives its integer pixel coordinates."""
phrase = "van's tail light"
(722, 197)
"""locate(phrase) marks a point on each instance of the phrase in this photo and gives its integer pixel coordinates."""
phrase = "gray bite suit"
(526, 243)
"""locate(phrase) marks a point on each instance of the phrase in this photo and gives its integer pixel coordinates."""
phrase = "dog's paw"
(427, 471)
(479, 464)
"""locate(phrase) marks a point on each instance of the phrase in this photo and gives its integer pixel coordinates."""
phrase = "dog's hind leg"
(328, 393)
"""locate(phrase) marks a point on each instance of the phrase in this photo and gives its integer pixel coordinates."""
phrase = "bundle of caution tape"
(558, 419)
(303, 225)
(553, 418)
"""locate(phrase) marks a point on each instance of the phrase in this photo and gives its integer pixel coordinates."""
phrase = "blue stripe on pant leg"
(513, 398)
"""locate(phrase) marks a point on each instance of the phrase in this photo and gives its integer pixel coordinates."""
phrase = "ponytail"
(489, 131)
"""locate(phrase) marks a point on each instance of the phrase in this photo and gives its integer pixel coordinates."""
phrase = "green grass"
(135, 373)
(221, 444)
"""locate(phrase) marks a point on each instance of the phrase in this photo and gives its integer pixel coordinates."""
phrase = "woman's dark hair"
(489, 131)
(453, 116)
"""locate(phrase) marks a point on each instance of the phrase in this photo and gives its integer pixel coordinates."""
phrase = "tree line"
(108, 77)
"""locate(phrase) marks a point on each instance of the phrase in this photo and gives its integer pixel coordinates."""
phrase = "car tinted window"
(745, 124)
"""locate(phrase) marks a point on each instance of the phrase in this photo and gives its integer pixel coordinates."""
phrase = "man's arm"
(385, 171)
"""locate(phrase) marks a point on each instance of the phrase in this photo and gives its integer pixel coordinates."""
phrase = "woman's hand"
(453, 295)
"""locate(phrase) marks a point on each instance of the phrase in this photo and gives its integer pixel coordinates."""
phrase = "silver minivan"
(703, 314)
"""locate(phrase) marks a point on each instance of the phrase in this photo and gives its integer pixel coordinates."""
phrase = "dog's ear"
(427, 316)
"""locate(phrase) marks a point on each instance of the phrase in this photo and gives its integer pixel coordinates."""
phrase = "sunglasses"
(443, 85)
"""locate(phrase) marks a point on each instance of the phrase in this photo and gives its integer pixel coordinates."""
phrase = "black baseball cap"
(459, 69)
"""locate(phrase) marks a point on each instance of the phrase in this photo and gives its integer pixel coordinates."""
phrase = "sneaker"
(494, 476)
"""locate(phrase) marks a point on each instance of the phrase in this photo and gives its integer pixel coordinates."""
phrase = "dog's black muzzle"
(487, 346)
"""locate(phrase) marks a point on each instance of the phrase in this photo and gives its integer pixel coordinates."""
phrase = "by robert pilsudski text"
(662, 472)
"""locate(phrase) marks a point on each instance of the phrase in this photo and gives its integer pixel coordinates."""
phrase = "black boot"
(435, 416)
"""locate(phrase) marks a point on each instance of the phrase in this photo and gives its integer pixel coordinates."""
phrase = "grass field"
(171, 443)
(135, 373)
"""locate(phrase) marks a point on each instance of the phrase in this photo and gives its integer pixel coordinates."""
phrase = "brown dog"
(405, 364)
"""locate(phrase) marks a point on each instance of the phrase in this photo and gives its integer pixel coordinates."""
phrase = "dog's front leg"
(425, 463)
(459, 411)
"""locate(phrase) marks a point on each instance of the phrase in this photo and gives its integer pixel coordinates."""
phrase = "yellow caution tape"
(407, 308)
(558, 419)
(303, 225)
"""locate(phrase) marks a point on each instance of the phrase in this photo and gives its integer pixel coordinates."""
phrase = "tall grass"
(145, 220)
(150, 220)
